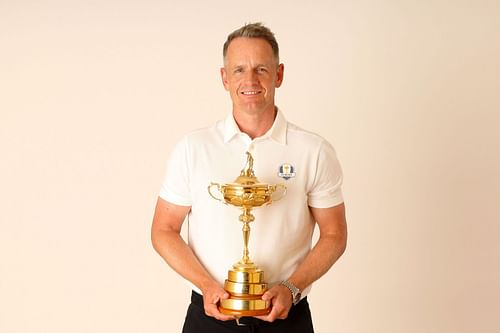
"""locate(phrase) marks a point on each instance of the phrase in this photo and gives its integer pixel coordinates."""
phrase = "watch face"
(297, 297)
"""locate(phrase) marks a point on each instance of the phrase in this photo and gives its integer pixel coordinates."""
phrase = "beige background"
(93, 95)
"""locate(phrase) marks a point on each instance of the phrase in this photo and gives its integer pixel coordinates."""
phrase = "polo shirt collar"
(277, 132)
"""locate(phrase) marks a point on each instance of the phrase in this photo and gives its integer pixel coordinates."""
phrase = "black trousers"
(298, 321)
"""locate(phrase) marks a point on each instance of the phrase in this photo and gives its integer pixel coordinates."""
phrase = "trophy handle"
(210, 190)
(281, 193)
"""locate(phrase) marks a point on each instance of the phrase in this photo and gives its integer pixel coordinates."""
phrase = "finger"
(215, 298)
(224, 317)
(271, 316)
(213, 311)
(267, 296)
(283, 315)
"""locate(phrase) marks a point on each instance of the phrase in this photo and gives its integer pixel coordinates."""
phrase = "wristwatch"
(296, 294)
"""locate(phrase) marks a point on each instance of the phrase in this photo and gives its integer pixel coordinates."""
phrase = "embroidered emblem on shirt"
(286, 171)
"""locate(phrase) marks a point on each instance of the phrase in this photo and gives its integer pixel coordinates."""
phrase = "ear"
(279, 75)
(223, 76)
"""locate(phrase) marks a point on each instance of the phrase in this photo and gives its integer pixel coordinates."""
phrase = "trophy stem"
(246, 218)
(246, 236)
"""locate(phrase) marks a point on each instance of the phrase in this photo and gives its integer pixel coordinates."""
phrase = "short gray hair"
(254, 30)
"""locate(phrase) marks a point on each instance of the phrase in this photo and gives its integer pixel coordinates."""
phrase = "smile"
(250, 92)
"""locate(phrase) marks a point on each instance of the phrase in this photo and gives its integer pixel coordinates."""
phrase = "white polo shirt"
(281, 234)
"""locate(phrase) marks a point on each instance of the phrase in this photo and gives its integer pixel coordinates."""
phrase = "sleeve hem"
(330, 201)
(173, 198)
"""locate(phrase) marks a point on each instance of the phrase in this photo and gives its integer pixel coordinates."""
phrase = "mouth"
(250, 92)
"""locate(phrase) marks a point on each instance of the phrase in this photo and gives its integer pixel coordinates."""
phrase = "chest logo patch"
(286, 171)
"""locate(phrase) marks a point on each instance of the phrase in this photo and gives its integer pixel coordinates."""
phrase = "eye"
(261, 70)
(238, 70)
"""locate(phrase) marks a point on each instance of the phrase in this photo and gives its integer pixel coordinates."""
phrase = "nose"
(251, 77)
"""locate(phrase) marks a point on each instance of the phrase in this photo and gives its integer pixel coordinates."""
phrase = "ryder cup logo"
(286, 171)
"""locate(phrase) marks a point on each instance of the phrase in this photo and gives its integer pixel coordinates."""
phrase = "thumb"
(268, 295)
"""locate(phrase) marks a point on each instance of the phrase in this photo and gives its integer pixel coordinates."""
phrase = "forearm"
(178, 255)
(167, 241)
(324, 254)
(319, 260)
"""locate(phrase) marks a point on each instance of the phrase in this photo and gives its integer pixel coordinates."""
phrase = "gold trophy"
(245, 282)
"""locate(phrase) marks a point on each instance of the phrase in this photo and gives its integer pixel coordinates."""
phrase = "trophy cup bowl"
(245, 282)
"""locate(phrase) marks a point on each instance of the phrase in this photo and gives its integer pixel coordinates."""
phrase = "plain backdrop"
(94, 94)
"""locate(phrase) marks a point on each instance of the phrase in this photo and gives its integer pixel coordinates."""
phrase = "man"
(282, 232)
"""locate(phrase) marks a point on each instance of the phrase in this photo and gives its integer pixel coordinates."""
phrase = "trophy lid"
(247, 176)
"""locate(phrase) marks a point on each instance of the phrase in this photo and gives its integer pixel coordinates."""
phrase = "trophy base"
(245, 285)
(244, 306)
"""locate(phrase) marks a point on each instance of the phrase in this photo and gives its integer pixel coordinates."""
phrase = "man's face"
(251, 74)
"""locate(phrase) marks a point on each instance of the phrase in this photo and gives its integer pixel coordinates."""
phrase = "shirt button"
(250, 148)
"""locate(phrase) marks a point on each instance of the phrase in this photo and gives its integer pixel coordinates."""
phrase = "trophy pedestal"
(245, 285)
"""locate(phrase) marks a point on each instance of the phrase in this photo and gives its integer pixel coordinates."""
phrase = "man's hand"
(281, 303)
(211, 297)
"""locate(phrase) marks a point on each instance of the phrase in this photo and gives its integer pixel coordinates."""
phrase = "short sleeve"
(175, 187)
(326, 190)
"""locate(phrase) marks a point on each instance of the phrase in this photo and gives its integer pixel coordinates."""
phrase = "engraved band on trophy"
(245, 282)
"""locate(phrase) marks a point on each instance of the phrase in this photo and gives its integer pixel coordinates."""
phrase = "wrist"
(294, 290)
(206, 283)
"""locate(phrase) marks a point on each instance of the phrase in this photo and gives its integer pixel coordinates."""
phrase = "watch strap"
(296, 294)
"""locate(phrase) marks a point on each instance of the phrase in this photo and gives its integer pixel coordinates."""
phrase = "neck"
(256, 124)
